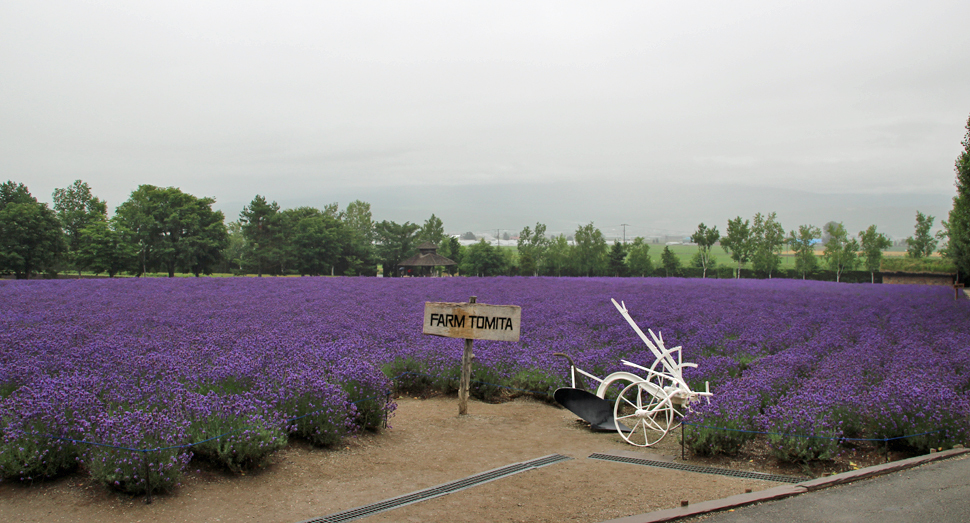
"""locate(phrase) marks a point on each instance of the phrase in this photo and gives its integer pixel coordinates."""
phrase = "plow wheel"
(678, 404)
(647, 410)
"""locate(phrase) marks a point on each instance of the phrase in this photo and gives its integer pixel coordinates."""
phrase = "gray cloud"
(585, 111)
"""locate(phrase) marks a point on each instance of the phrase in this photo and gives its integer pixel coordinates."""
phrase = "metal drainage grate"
(440, 490)
(697, 468)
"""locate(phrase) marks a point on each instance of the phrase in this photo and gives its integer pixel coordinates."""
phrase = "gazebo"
(424, 262)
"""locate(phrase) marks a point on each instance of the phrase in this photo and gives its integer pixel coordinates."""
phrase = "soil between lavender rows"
(428, 444)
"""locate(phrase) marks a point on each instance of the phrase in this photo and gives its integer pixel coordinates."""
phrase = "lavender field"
(160, 363)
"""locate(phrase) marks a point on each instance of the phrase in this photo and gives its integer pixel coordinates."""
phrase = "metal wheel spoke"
(652, 414)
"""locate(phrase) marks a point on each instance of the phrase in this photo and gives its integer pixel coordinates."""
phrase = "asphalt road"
(938, 492)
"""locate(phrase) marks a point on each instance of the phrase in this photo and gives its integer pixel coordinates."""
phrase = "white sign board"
(473, 321)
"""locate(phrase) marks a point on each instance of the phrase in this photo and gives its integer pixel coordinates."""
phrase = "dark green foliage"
(451, 248)
(767, 237)
(432, 231)
(589, 253)
(408, 375)
(705, 239)
(907, 264)
(617, 260)
(395, 243)
(557, 256)
(708, 442)
(316, 241)
(481, 259)
(738, 242)
(957, 228)
(537, 381)
(29, 458)
(106, 247)
(359, 256)
(31, 239)
(249, 443)
(840, 252)
(532, 246)
(237, 250)
(796, 449)
(671, 262)
(174, 231)
(873, 243)
(922, 243)
(638, 260)
(262, 229)
(77, 209)
(487, 384)
(803, 244)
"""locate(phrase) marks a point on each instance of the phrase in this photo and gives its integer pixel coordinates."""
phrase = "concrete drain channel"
(697, 468)
(440, 490)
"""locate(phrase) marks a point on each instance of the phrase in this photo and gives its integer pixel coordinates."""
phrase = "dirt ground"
(428, 444)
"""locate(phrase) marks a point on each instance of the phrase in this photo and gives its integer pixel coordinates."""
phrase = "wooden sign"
(472, 321)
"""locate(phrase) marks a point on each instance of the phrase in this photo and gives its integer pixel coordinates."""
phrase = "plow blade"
(595, 410)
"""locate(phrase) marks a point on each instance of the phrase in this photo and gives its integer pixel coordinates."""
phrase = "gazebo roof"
(431, 259)
(427, 256)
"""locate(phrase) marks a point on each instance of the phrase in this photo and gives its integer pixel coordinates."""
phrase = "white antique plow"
(648, 406)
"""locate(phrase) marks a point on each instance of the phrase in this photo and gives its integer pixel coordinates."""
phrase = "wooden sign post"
(471, 321)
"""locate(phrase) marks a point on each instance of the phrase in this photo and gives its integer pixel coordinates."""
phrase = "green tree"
(76, 209)
(698, 261)
(840, 252)
(287, 251)
(638, 258)
(174, 230)
(332, 210)
(432, 231)
(873, 243)
(360, 258)
(738, 243)
(922, 243)
(617, 260)
(105, 247)
(803, 245)
(262, 229)
(31, 239)
(237, 249)
(705, 239)
(357, 217)
(957, 227)
(590, 251)
(319, 243)
(669, 260)
(558, 255)
(532, 246)
(395, 243)
(482, 259)
(451, 248)
(768, 238)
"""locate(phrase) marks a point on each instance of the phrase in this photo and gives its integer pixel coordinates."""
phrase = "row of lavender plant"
(155, 363)
(129, 368)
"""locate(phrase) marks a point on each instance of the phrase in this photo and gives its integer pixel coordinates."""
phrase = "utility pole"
(624, 232)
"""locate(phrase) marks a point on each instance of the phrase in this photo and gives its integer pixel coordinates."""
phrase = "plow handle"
(572, 367)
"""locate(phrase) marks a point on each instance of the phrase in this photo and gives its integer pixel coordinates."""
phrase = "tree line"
(164, 230)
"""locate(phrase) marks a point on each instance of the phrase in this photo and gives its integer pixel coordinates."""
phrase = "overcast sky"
(496, 115)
